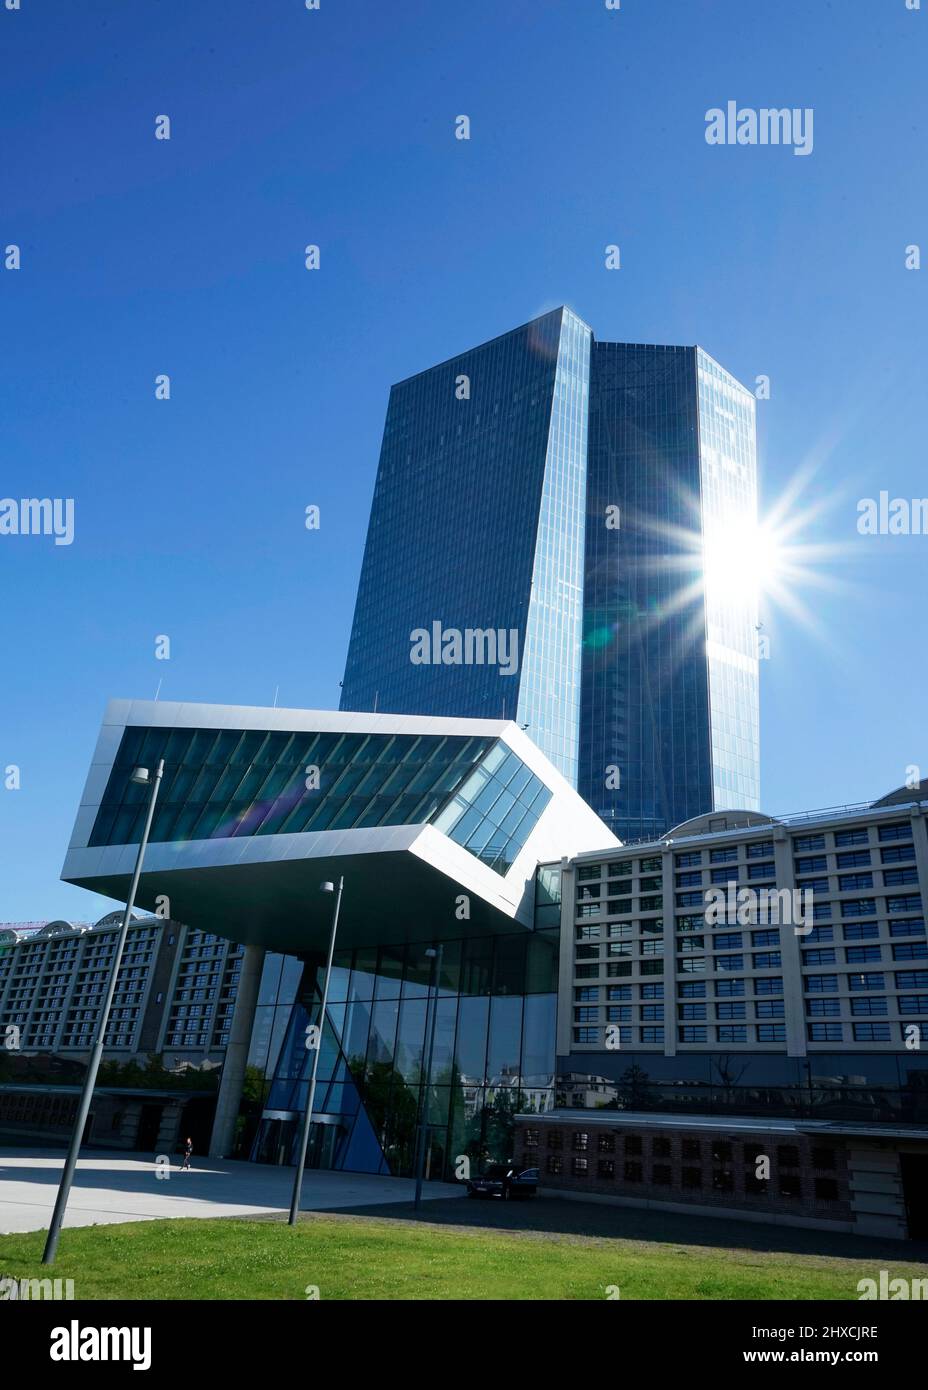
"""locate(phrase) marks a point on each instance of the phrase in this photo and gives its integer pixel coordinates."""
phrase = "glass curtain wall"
(492, 1056)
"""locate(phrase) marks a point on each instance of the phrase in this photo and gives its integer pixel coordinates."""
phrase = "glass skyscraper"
(477, 528)
(669, 723)
(595, 500)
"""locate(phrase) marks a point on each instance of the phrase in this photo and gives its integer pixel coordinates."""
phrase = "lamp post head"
(327, 887)
(140, 775)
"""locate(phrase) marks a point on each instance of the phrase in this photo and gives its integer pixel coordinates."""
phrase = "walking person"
(188, 1150)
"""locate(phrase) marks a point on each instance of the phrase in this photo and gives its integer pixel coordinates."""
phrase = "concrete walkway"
(110, 1187)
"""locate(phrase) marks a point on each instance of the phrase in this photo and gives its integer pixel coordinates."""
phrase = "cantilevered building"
(437, 826)
(597, 500)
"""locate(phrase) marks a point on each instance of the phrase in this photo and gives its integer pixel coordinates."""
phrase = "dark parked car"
(502, 1180)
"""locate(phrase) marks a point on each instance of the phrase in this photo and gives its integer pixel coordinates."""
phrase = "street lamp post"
(422, 1129)
(142, 777)
(308, 1116)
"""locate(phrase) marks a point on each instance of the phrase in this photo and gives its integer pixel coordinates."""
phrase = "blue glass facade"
(492, 1057)
(496, 809)
(225, 782)
(477, 525)
(220, 783)
(728, 458)
(669, 719)
(583, 495)
(645, 713)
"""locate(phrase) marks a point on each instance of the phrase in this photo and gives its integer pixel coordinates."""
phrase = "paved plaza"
(110, 1187)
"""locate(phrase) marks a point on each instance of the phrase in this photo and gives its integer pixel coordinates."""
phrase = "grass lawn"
(354, 1257)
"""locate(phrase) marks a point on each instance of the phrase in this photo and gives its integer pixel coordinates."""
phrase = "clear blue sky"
(337, 127)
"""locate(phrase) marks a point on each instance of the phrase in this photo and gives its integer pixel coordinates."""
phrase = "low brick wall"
(808, 1176)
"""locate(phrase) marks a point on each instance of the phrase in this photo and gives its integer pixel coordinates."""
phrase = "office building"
(594, 502)
(744, 986)
(437, 826)
(670, 690)
(477, 528)
(166, 1037)
(749, 982)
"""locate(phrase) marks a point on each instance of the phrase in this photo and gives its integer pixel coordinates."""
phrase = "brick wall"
(808, 1177)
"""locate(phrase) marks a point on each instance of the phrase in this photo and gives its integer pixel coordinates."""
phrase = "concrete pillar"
(876, 1190)
(233, 1071)
(670, 951)
(565, 988)
(791, 944)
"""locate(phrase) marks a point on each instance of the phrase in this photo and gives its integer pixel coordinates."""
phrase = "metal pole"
(308, 1117)
(423, 1120)
(96, 1055)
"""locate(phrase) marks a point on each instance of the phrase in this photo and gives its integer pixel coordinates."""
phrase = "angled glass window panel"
(369, 751)
(476, 782)
(199, 745)
(347, 815)
(269, 752)
(180, 825)
(342, 750)
(176, 748)
(513, 819)
(209, 820)
(299, 806)
(504, 860)
(422, 808)
(230, 780)
(278, 810)
(376, 811)
(235, 814)
(495, 757)
(250, 817)
(323, 813)
(348, 779)
(465, 827)
(204, 784)
(426, 808)
(177, 784)
(397, 781)
(522, 780)
(479, 837)
(375, 776)
(452, 813)
(130, 747)
(261, 785)
(488, 799)
(492, 849)
(449, 778)
(404, 810)
(153, 748)
(508, 768)
(127, 825)
(224, 747)
(103, 825)
(250, 745)
(423, 779)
